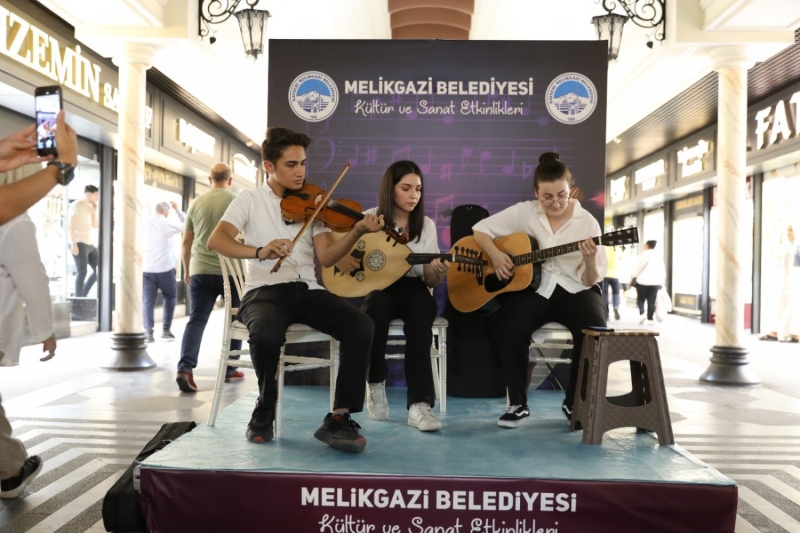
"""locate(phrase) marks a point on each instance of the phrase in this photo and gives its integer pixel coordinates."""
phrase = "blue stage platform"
(472, 476)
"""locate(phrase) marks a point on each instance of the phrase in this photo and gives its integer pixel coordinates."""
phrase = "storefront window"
(53, 216)
(687, 264)
(781, 191)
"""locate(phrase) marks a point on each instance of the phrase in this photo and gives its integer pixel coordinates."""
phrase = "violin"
(311, 203)
(338, 215)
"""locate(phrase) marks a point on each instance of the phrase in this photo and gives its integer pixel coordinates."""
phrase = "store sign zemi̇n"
(774, 123)
(34, 48)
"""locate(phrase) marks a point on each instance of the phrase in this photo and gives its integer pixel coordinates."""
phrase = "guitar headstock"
(622, 237)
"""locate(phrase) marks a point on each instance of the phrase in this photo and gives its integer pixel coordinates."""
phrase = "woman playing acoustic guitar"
(568, 292)
(400, 203)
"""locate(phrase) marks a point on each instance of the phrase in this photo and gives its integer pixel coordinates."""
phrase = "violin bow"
(310, 218)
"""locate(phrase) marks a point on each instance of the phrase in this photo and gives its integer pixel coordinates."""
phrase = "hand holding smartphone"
(48, 105)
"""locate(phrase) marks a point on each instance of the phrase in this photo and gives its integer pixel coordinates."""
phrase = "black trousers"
(647, 293)
(87, 256)
(523, 312)
(409, 300)
(269, 310)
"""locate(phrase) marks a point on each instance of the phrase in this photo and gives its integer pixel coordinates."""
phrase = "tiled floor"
(88, 423)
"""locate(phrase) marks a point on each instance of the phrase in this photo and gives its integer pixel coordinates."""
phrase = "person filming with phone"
(23, 277)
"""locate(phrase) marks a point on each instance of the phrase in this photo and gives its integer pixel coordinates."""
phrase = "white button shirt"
(159, 253)
(22, 279)
(257, 214)
(530, 218)
(428, 243)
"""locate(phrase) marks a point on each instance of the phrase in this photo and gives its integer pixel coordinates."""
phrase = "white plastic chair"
(295, 334)
(438, 355)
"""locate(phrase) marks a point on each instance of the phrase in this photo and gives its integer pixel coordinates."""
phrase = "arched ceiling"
(431, 19)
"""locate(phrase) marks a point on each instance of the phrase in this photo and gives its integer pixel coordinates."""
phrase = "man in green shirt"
(203, 274)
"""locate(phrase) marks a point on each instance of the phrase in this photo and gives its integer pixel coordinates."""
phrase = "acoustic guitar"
(475, 289)
(382, 263)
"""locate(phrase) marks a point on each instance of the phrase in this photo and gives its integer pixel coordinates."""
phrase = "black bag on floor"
(121, 511)
(473, 369)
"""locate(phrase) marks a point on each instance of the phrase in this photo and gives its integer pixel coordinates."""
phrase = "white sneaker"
(642, 318)
(377, 404)
(650, 323)
(420, 416)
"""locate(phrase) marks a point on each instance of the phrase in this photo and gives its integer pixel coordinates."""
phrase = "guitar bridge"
(479, 274)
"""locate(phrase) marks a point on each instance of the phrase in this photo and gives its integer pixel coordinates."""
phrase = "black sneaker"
(616, 313)
(566, 409)
(259, 429)
(14, 486)
(149, 338)
(167, 334)
(341, 432)
(514, 416)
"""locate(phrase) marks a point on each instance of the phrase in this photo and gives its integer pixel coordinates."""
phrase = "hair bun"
(549, 157)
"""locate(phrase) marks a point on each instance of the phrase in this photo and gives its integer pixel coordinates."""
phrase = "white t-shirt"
(257, 214)
(428, 243)
(82, 222)
(159, 253)
(529, 217)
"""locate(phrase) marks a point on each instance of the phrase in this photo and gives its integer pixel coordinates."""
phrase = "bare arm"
(503, 266)
(94, 216)
(434, 272)
(186, 253)
(18, 197)
(591, 272)
(223, 241)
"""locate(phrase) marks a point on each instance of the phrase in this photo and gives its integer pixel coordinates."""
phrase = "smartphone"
(48, 104)
(601, 329)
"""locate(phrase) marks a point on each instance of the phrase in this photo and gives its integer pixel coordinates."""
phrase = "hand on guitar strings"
(348, 263)
(503, 265)
(439, 267)
(588, 248)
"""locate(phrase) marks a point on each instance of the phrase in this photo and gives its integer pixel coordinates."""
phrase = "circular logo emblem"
(571, 98)
(313, 96)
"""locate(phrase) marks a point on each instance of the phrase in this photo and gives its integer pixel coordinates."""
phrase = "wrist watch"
(65, 172)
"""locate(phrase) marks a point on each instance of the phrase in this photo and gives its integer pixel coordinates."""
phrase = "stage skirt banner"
(406, 504)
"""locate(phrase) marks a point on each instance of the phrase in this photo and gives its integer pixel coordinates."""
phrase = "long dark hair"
(551, 169)
(391, 177)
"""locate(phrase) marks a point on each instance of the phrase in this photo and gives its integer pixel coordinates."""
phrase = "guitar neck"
(538, 256)
(423, 259)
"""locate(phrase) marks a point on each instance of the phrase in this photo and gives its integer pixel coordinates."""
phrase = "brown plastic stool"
(644, 407)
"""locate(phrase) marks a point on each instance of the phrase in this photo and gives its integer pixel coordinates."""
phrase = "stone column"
(128, 350)
(729, 362)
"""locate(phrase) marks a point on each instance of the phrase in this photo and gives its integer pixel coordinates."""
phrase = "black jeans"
(523, 312)
(87, 255)
(647, 293)
(409, 300)
(151, 283)
(268, 312)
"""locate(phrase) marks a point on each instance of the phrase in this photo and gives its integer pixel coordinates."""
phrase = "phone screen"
(47, 107)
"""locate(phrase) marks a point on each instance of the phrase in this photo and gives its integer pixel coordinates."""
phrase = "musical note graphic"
(465, 153)
(401, 153)
(446, 201)
(485, 156)
(508, 169)
(426, 167)
(370, 156)
(527, 170)
(446, 171)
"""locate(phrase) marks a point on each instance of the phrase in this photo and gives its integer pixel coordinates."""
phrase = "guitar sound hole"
(493, 284)
(376, 260)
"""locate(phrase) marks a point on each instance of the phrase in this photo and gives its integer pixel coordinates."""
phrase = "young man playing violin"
(273, 301)
(568, 292)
